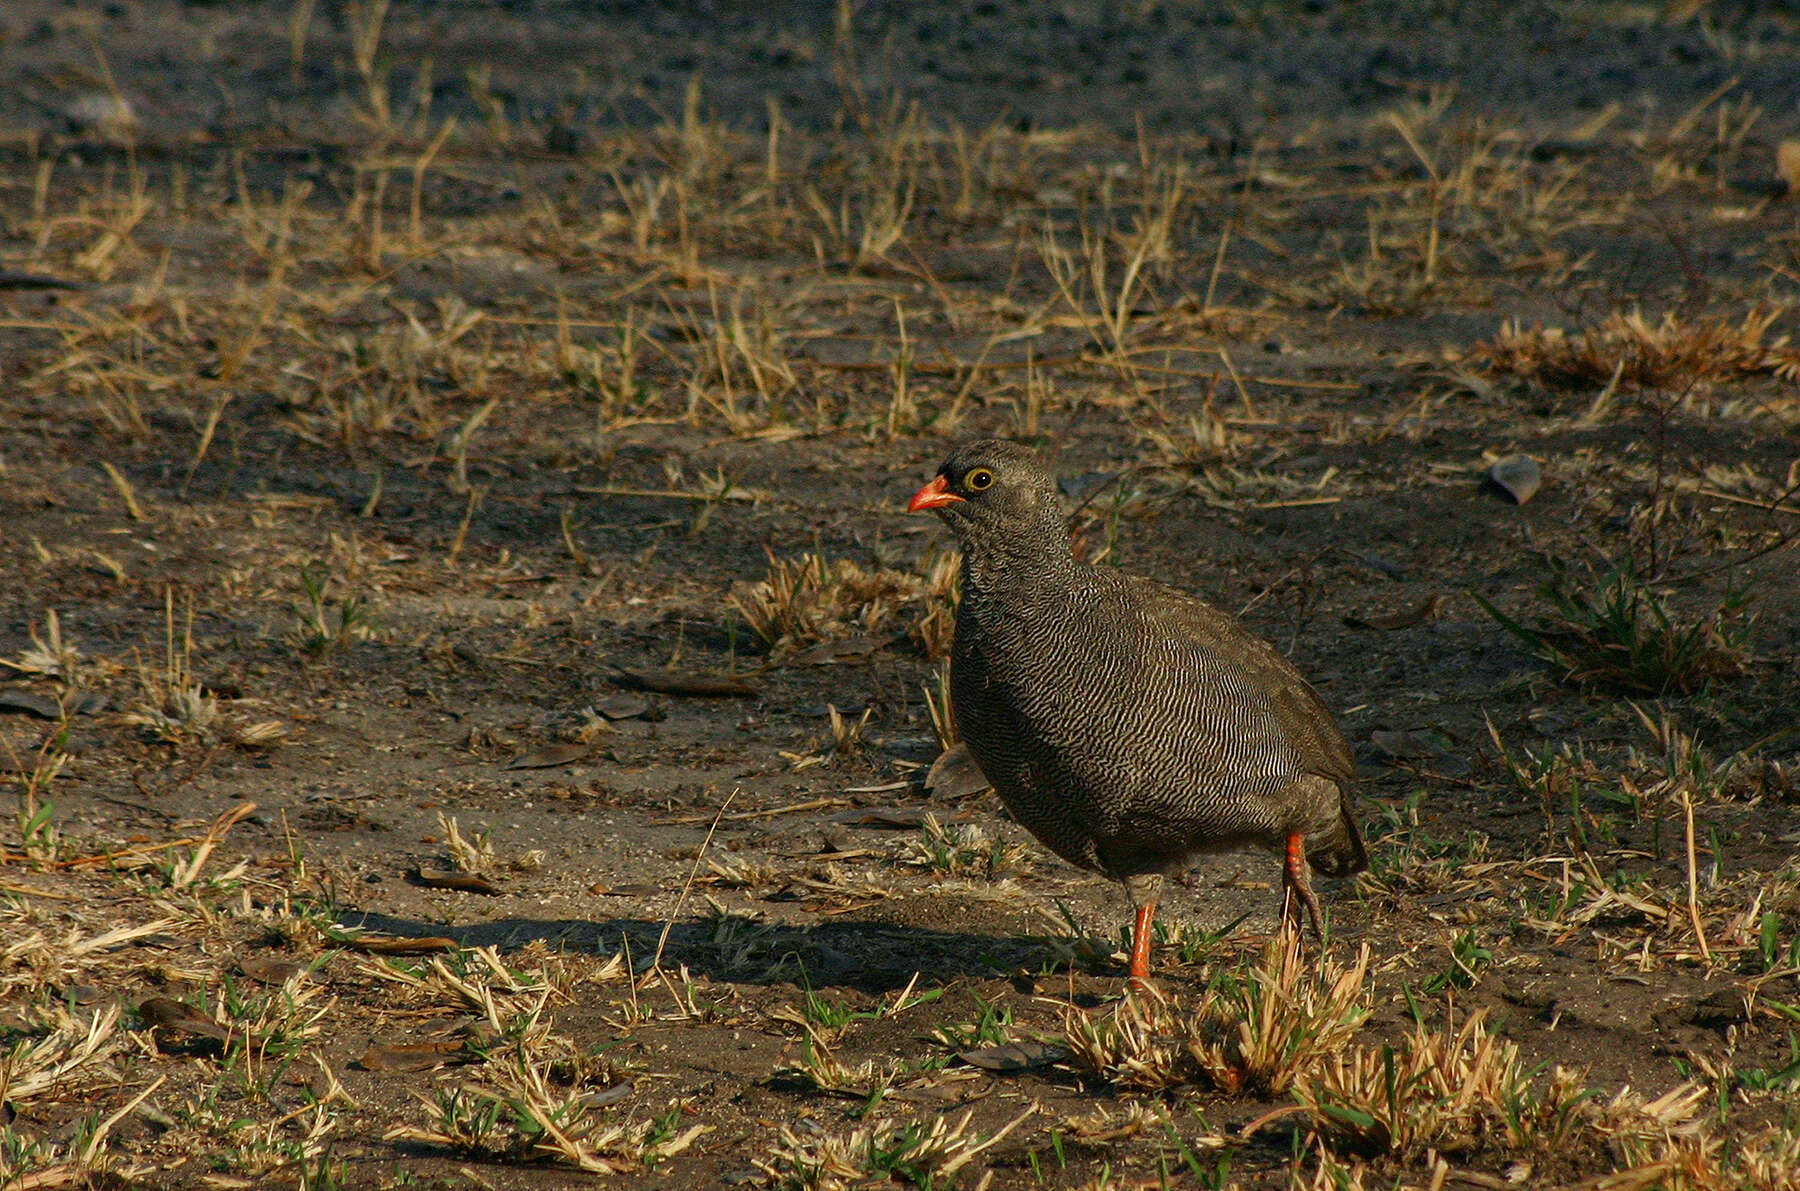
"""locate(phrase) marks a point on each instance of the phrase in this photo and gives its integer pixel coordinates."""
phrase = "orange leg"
(1297, 887)
(1140, 943)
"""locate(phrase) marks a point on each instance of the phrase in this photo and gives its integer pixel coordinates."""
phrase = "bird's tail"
(1337, 851)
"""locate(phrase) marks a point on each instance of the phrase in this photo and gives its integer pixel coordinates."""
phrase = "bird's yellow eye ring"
(979, 480)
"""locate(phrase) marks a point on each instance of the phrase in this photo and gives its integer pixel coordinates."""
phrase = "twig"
(749, 495)
(194, 769)
(1299, 503)
(142, 807)
(1765, 506)
(955, 367)
(1693, 879)
(1286, 1110)
(792, 808)
(28, 891)
(1281, 580)
(121, 854)
(1777, 505)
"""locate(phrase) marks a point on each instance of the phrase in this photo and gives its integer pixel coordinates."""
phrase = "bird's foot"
(1297, 891)
(1140, 945)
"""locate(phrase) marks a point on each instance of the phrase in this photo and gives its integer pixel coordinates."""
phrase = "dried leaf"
(828, 653)
(165, 1011)
(607, 1095)
(1014, 1056)
(633, 890)
(270, 971)
(1518, 476)
(462, 882)
(398, 944)
(412, 1056)
(622, 706)
(25, 703)
(550, 756)
(666, 683)
(177, 1031)
(899, 818)
(955, 774)
(1426, 610)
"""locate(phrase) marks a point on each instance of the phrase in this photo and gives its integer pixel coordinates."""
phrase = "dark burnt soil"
(526, 402)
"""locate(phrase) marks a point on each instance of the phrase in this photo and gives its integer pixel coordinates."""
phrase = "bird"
(1130, 726)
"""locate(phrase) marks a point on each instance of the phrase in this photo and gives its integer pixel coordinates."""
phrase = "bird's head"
(994, 490)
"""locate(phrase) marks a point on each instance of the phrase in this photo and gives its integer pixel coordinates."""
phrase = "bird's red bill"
(934, 495)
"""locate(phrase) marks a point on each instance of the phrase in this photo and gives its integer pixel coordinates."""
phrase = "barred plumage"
(1128, 725)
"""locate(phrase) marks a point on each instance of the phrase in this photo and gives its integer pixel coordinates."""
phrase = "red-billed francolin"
(1128, 725)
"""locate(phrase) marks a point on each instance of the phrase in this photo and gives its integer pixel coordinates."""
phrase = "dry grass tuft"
(1627, 350)
(819, 1069)
(523, 1111)
(1462, 1093)
(49, 656)
(1189, 443)
(1256, 1030)
(70, 1061)
(67, 1056)
(808, 600)
(963, 850)
(32, 962)
(1770, 1162)
(477, 856)
(535, 1097)
(921, 1153)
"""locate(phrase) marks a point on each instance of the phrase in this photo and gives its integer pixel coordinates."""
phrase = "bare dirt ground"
(467, 682)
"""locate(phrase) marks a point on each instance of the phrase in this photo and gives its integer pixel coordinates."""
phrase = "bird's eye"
(979, 480)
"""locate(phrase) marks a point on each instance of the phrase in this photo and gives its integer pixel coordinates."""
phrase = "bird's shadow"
(871, 957)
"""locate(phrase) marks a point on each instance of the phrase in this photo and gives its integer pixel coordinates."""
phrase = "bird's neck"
(1035, 562)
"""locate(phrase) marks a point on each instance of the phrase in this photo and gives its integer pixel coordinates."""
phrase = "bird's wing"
(1305, 720)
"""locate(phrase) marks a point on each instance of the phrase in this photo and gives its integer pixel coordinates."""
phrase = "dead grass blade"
(34, 1067)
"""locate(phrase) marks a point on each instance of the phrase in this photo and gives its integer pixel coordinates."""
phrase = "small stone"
(108, 115)
(25, 703)
(1518, 476)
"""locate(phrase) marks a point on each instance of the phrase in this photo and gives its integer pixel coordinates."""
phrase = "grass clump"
(1630, 351)
(929, 1152)
(1464, 1093)
(538, 1095)
(324, 627)
(963, 850)
(522, 1112)
(1622, 636)
(810, 601)
(1258, 1030)
(67, 1057)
